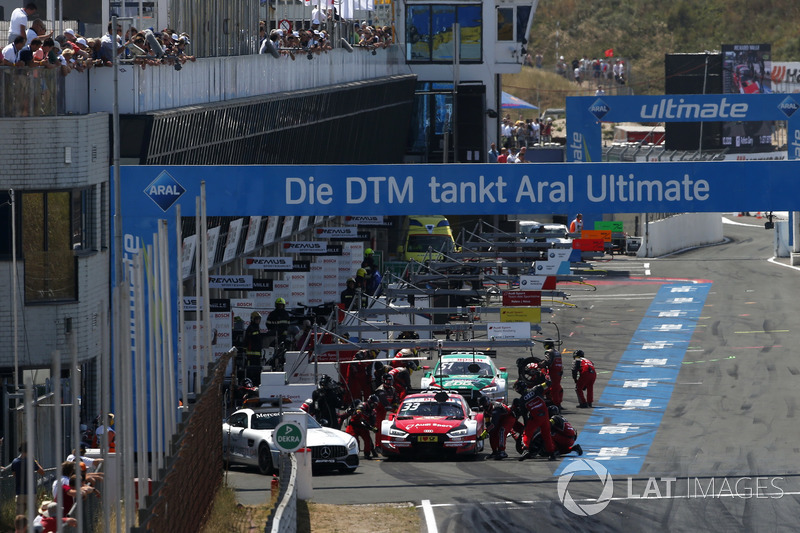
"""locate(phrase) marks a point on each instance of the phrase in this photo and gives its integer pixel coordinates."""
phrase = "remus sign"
(585, 114)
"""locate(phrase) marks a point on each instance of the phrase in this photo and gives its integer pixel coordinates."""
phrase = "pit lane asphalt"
(728, 436)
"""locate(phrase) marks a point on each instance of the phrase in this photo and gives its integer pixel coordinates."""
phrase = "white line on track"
(520, 504)
(776, 262)
(430, 519)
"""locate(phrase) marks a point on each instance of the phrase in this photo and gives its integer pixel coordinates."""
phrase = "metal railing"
(29, 92)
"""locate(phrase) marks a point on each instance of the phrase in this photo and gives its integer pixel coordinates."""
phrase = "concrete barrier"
(284, 519)
(680, 232)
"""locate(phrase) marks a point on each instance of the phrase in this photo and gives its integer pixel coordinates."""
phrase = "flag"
(346, 9)
(610, 52)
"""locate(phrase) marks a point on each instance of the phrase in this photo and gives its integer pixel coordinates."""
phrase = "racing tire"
(265, 467)
(519, 447)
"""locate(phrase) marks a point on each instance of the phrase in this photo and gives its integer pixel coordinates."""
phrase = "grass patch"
(375, 518)
(229, 516)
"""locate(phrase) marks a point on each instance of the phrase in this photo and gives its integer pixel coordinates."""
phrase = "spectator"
(621, 73)
(50, 519)
(521, 155)
(21, 524)
(503, 157)
(20, 467)
(107, 45)
(46, 56)
(180, 50)
(512, 155)
(38, 29)
(535, 131)
(27, 53)
(11, 52)
(547, 131)
(18, 23)
(539, 59)
(98, 435)
(599, 91)
(505, 132)
(492, 155)
(561, 67)
(318, 16)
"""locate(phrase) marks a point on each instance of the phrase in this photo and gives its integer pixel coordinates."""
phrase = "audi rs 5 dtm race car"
(247, 438)
(432, 422)
(468, 374)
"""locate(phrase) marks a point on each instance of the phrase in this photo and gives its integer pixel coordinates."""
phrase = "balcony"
(40, 92)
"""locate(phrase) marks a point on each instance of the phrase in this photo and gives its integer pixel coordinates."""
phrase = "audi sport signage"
(522, 298)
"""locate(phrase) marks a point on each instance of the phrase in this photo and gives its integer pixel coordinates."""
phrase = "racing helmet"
(324, 381)
(372, 400)
(483, 403)
(388, 379)
(368, 251)
(552, 410)
(412, 365)
(255, 315)
(280, 301)
(520, 387)
(361, 273)
(548, 343)
(351, 280)
(577, 354)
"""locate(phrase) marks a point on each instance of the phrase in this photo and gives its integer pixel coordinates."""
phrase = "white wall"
(679, 232)
(220, 79)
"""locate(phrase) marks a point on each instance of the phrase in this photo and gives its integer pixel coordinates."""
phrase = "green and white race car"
(468, 374)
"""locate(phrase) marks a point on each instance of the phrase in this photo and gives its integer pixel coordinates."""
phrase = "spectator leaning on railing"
(11, 52)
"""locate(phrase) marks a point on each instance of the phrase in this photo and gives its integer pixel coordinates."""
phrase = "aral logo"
(164, 190)
(599, 109)
(788, 106)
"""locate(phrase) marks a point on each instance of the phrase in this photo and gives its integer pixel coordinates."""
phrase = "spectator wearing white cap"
(50, 518)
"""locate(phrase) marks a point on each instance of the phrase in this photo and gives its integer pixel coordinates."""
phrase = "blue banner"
(151, 192)
(585, 114)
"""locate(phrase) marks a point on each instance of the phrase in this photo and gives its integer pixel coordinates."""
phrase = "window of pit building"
(84, 229)
(505, 24)
(47, 247)
(429, 33)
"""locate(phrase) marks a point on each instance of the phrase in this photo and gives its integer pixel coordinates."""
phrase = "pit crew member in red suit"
(537, 418)
(564, 435)
(583, 374)
(500, 421)
(361, 423)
